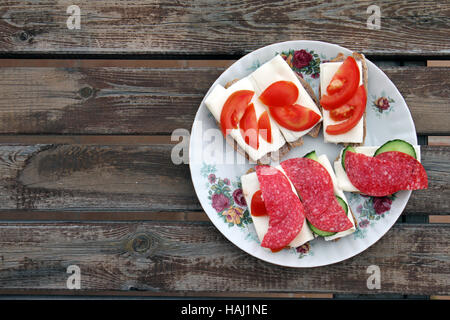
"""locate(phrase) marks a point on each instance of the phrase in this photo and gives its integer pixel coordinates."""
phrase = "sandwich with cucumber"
(381, 170)
(297, 201)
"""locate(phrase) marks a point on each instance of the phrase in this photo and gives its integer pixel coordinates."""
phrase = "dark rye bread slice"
(358, 57)
(278, 155)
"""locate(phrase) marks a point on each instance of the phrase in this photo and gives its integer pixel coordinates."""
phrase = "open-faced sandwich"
(343, 91)
(279, 221)
(297, 201)
(327, 210)
(267, 112)
(381, 171)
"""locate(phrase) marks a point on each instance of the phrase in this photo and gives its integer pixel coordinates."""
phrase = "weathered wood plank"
(191, 257)
(439, 219)
(439, 140)
(100, 100)
(237, 27)
(113, 100)
(94, 177)
(142, 178)
(438, 63)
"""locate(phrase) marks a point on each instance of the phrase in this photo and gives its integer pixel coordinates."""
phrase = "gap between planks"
(127, 216)
(86, 63)
(87, 139)
(187, 295)
(119, 216)
(129, 139)
(177, 63)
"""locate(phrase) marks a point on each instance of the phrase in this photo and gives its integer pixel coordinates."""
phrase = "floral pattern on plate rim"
(382, 104)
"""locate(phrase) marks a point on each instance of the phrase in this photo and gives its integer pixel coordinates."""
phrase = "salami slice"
(413, 175)
(286, 213)
(315, 188)
(385, 174)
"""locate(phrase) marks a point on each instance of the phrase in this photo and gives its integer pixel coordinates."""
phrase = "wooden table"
(85, 122)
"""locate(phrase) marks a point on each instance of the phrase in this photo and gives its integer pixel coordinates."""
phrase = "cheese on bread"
(354, 135)
(250, 185)
(275, 70)
(215, 101)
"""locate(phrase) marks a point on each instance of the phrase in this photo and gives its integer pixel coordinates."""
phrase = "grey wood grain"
(234, 27)
(110, 100)
(174, 257)
(142, 178)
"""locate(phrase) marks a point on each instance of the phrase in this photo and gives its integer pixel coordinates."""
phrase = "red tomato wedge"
(264, 128)
(295, 117)
(280, 94)
(234, 108)
(342, 86)
(258, 207)
(249, 127)
(342, 113)
(358, 102)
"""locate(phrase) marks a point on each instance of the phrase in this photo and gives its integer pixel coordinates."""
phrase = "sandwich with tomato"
(343, 97)
(297, 201)
(267, 113)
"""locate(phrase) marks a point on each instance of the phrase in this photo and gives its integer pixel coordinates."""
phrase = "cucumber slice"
(343, 204)
(349, 148)
(327, 233)
(320, 232)
(312, 155)
(397, 145)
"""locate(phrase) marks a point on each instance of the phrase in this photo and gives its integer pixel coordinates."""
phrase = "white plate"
(218, 184)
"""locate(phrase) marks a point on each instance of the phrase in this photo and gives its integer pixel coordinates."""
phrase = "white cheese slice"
(342, 178)
(215, 101)
(275, 70)
(250, 185)
(323, 160)
(356, 134)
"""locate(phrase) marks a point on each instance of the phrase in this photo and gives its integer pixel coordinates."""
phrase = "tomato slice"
(264, 128)
(342, 86)
(358, 102)
(280, 94)
(295, 117)
(249, 127)
(234, 108)
(342, 113)
(257, 206)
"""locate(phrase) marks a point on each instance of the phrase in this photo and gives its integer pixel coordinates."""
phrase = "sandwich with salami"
(296, 201)
(381, 171)
(277, 212)
(326, 207)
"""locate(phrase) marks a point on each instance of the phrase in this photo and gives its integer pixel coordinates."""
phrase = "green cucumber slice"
(343, 204)
(312, 155)
(349, 148)
(320, 232)
(327, 233)
(397, 145)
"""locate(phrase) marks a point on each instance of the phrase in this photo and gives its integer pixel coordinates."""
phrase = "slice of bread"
(277, 156)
